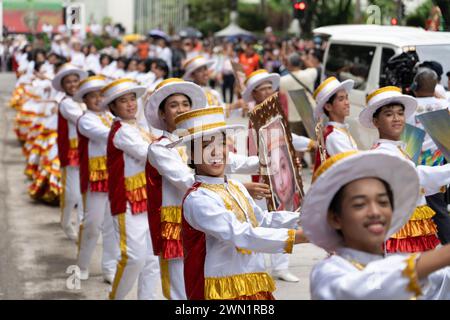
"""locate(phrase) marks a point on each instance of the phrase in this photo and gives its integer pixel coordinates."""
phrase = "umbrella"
(190, 32)
(156, 33)
(132, 37)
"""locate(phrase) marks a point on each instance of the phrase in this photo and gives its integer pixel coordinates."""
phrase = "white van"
(362, 52)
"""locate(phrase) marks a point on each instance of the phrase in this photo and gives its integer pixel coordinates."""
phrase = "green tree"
(209, 15)
(419, 17)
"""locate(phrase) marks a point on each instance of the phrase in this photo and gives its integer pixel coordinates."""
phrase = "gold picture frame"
(273, 136)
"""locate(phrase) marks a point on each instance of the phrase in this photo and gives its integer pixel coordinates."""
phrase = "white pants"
(279, 261)
(172, 278)
(97, 218)
(70, 195)
(137, 261)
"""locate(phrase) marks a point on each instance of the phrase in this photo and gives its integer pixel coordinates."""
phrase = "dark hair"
(161, 64)
(104, 55)
(124, 61)
(336, 204)
(163, 103)
(330, 101)
(377, 113)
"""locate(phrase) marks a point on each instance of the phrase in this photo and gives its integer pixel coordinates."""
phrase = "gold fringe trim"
(137, 195)
(243, 251)
(416, 228)
(73, 143)
(100, 175)
(235, 286)
(410, 273)
(135, 182)
(97, 164)
(290, 241)
(423, 213)
(171, 214)
(171, 231)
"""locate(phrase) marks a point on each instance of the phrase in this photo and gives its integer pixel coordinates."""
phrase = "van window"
(350, 62)
(386, 54)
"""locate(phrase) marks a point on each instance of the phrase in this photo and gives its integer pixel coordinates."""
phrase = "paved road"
(34, 251)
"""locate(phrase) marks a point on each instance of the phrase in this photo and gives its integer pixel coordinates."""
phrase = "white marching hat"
(167, 88)
(195, 63)
(65, 70)
(119, 88)
(326, 90)
(200, 123)
(344, 168)
(382, 97)
(94, 83)
(255, 79)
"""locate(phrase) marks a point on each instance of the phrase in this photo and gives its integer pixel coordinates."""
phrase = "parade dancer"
(387, 109)
(169, 177)
(67, 80)
(332, 100)
(93, 128)
(126, 158)
(353, 206)
(224, 231)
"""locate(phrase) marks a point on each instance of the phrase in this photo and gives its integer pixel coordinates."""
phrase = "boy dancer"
(220, 215)
(93, 130)
(352, 207)
(332, 100)
(126, 157)
(67, 80)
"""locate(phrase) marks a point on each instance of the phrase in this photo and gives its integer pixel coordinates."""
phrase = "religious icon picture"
(280, 167)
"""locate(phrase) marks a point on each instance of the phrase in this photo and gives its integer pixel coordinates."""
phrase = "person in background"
(424, 88)
(249, 60)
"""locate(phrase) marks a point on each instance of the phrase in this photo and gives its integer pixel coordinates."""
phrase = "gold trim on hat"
(330, 161)
(192, 60)
(167, 81)
(322, 85)
(92, 79)
(115, 83)
(254, 73)
(381, 90)
(206, 127)
(197, 113)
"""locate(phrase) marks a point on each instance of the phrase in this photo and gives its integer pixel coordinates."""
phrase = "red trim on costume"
(328, 130)
(67, 156)
(194, 245)
(154, 202)
(63, 140)
(83, 152)
(167, 248)
(116, 173)
(410, 245)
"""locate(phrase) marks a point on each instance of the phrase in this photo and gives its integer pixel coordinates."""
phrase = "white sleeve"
(170, 165)
(273, 219)
(337, 143)
(205, 211)
(433, 178)
(240, 164)
(302, 144)
(70, 111)
(130, 141)
(387, 279)
(94, 130)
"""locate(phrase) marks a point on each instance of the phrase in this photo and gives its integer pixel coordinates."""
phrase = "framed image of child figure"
(280, 167)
